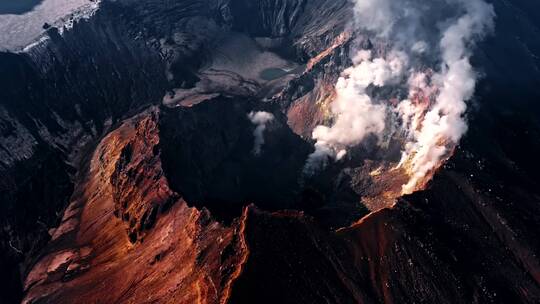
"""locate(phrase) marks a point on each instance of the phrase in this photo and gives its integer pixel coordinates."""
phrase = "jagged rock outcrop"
(111, 247)
(56, 100)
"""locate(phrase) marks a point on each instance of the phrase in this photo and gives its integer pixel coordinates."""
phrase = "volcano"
(269, 151)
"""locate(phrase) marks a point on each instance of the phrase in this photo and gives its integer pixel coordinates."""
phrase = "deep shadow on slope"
(207, 155)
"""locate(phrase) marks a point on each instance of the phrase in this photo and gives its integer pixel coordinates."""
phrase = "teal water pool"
(275, 73)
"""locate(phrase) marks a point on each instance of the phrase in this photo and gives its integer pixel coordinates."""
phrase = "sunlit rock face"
(126, 236)
(156, 151)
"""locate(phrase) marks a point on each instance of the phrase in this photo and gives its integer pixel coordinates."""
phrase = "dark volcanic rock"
(448, 244)
(207, 154)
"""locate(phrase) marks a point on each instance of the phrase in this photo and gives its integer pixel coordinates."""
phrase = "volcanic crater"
(160, 156)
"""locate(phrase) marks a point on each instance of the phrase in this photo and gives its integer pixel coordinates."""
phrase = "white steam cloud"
(421, 50)
(355, 113)
(259, 119)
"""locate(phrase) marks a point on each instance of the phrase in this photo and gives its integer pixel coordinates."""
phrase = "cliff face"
(126, 236)
(57, 99)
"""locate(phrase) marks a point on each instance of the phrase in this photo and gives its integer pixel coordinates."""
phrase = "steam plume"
(259, 119)
(421, 49)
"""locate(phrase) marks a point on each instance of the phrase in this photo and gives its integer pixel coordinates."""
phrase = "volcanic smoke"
(418, 52)
(259, 119)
